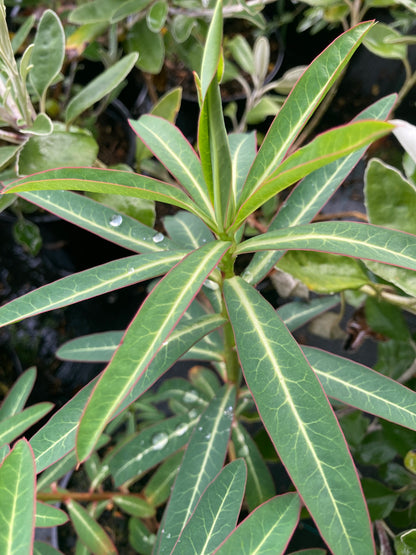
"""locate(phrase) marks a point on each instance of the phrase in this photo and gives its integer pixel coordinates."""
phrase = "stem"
(408, 84)
(230, 356)
(86, 497)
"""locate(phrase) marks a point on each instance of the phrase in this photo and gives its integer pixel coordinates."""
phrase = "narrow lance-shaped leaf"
(216, 514)
(172, 149)
(364, 388)
(312, 193)
(301, 103)
(105, 181)
(349, 238)
(299, 420)
(212, 49)
(100, 219)
(18, 395)
(202, 461)
(89, 283)
(325, 148)
(15, 425)
(155, 320)
(17, 500)
(267, 530)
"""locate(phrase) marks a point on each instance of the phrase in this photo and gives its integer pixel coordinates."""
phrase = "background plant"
(207, 307)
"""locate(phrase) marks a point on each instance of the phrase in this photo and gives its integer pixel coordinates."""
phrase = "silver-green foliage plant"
(206, 307)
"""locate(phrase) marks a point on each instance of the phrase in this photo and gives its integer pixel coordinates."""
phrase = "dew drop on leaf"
(190, 397)
(159, 441)
(211, 285)
(181, 429)
(116, 220)
(158, 238)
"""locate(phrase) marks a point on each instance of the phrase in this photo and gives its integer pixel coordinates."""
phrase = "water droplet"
(248, 276)
(190, 397)
(203, 240)
(181, 429)
(165, 343)
(208, 436)
(131, 270)
(116, 220)
(193, 413)
(228, 411)
(200, 428)
(169, 535)
(159, 441)
(158, 238)
(243, 451)
(211, 285)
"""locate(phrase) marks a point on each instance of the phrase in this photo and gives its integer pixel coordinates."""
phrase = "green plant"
(207, 308)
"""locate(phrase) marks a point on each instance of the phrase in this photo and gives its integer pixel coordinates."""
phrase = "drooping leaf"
(17, 500)
(48, 516)
(13, 426)
(267, 530)
(152, 325)
(295, 411)
(216, 514)
(202, 461)
(19, 393)
(381, 40)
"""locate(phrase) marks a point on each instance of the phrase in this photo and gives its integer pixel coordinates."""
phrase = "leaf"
(152, 325)
(13, 426)
(349, 238)
(18, 395)
(405, 133)
(17, 500)
(142, 210)
(42, 548)
(298, 313)
(212, 50)
(127, 8)
(156, 15)
(134, 505)
(105, 181)
(59, 149)
(99, 219)
(202, 461)
(47, 515)
(88, 284)
(405, 543)
(99, 87)
(243, 152)
(380, 41)
(93, 12)
(301, 103)
(96, 347)
(7, 153)
(380, 499)
(159, 486)
(27, 235)
(187, 231)
(323, 272)
(260, 486)
(216, 514)
(47, 54)
(361, 387)
(387, 319)
(295, 411)
(140, 537)
(150, 46)
(176, 154)
(89, 531)
(322, 150)
(312, 193)
(267, 530)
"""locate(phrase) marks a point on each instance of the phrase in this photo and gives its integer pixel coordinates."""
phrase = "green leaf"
(150, 447)
(295, 411)
(89, 531)
(47, 54)
(387, 319)
(96, 347)
(243, 152)
(380, 41)
(361, 387)
(266, 530)
(298, 313)
(105, 181)
(405, 543)
(177, 155)
(323, 272)
(17, 500)
(155, 320)
(380, 499)
(127, 8)
(42, 548)
(27, 234)
(99, 87)
(212, 50)
(312, 193)
(156, 15)
(99, 219)
(12, 427)
(187, 231)
(93, 12)
(140, 537)
(150, 46)
(17, 396)
(142, 210)
(7, 153)
(260, 486)
(21, 34)
(322, 150)
(60, 149)
(47, 515)
(202, 461)
(303, 100)
(134, 505)
(216, 514)
(42, 125)
(159, 486)
(349, 238)
(88, 284)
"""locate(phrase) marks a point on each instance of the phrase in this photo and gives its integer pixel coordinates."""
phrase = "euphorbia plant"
(207, 307)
